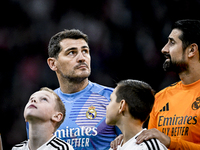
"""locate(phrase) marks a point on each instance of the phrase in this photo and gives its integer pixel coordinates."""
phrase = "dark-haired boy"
(130, 105)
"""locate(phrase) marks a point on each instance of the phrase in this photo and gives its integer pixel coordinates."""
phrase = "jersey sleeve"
(154, 113)
(152, 120)
(153, 117)
(177, 143)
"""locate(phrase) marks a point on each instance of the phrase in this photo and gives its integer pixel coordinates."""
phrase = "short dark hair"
(54, 43)
(138, 95)
(190, 31)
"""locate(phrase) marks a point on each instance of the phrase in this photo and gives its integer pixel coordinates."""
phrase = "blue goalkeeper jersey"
(84, 126)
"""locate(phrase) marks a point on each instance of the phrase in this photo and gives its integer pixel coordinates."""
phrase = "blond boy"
(44, 112)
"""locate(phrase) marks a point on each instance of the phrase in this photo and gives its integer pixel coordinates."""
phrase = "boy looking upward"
(44, 112)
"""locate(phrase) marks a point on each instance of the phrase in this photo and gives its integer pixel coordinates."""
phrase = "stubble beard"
(75, 79)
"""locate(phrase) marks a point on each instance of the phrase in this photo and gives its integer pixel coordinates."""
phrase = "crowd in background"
(125, 39)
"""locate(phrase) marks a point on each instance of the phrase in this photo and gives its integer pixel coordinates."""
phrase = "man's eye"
(172, 42)
(85, 51)
(71, 53)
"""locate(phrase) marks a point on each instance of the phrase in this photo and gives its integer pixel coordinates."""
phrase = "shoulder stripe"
(58, 144)
(152, 144)
(156, 143)
(57, 147)
(147, 145)
(63, 143)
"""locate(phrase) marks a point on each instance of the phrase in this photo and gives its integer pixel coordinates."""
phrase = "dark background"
(125, 38)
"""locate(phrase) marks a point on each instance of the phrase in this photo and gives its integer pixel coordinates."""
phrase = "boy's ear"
(122, 106)
(52, 63)
(57, 117)
(193, 50)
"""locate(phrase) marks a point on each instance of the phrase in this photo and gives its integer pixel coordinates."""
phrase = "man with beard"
(175, 117)
(85, 101)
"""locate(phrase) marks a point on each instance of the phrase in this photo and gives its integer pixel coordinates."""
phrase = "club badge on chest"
(91, 113)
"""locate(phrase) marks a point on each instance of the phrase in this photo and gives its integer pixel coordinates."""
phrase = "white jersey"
(52, 144)
(152, 144)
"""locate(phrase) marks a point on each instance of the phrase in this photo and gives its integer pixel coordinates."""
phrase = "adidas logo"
(165, 108)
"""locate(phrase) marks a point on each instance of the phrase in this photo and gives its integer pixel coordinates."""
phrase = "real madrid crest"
(91, 113)
(196, 104)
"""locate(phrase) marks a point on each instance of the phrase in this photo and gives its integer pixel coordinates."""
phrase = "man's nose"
(165, 49)
(80, 58)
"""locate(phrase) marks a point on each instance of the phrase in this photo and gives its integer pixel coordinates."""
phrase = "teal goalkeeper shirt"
(84, 126)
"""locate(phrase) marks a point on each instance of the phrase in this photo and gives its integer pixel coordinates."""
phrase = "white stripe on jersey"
(58, 144)
(152, 144)
(53, 144)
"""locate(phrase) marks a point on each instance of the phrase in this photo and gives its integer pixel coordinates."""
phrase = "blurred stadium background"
(125, 38)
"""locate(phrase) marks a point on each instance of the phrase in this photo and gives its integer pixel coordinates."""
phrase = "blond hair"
(59, 105)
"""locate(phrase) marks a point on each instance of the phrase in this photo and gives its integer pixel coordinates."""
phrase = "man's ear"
(122, 106)
(52, 63)
(57, 117)
(193, 50)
